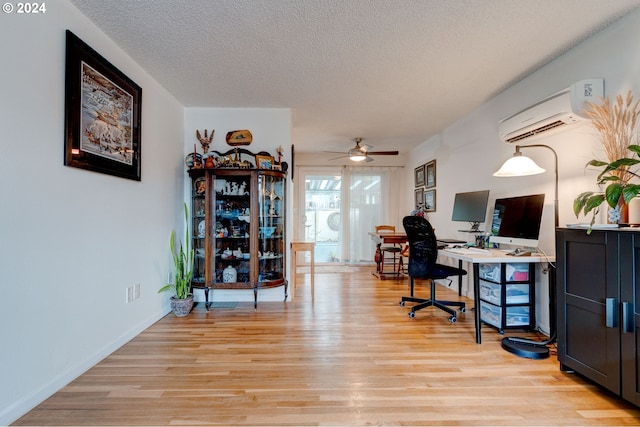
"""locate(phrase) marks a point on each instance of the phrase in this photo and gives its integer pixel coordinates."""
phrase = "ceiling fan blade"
(382, 153)
(368, 159)
(336, 158)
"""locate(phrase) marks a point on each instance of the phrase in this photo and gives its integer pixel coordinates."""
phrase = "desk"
(494, 256)
(386, 238)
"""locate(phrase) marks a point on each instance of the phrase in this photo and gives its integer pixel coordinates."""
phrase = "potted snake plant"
(183, 255)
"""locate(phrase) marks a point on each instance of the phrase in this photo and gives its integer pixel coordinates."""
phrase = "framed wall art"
(102, 114)
(430, 174)
(418, 175)
(430, 200)
(419, 198)
(264, 162)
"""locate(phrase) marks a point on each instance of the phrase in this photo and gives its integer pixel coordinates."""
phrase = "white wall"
(73, 240)
(469, 151)
(270, 128)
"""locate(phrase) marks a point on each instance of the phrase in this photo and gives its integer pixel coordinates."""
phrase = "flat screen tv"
(471, 207)
(516, 220)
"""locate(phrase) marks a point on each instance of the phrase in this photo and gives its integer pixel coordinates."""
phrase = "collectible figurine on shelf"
(209, 161)
(242, 189)
(239, 137)
(193, 160)
(205, 141)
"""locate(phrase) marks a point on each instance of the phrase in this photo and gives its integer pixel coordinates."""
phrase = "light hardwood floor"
(350, 355)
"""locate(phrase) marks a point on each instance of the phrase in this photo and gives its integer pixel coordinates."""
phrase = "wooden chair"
(404, 254)
(390, 253)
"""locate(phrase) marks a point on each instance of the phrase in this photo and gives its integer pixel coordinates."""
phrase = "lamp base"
(525, 348)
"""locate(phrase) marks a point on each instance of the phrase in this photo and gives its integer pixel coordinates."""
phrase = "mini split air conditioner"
(555, 112)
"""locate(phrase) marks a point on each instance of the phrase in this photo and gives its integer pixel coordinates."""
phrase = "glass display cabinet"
(239, 220)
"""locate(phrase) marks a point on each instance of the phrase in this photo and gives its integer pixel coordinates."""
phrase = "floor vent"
(224, 304)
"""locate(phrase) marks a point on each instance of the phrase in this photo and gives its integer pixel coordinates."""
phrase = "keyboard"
(449, 241)
(468, 251)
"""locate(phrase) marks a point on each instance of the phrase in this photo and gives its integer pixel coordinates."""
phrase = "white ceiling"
(393, 71)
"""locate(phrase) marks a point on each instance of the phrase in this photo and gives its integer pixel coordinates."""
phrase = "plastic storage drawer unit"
(507, 295)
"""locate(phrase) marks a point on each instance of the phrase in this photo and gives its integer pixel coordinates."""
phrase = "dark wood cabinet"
(598, 307)
(239, 226)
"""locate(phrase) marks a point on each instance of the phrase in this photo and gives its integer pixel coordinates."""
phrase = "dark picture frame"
(430, 200)
(418, 175)
(419, 198)
(293, 160)
(430, 174)
(102, 114)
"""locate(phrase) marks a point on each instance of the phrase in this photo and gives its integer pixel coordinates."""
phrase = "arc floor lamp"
(520, 165)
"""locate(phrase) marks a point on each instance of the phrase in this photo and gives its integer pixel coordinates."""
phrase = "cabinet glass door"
(231, 207)
(271, 231)
(198, 229)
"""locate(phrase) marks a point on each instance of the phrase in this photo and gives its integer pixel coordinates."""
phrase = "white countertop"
(492, 255)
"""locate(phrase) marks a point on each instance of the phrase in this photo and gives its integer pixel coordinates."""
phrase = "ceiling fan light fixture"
(357, 155)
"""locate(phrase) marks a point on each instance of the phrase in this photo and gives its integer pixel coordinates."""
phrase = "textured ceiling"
(393, 71)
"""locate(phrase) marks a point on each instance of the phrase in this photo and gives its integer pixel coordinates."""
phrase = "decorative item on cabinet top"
(239, 137)
(205, 143)
(236, 158)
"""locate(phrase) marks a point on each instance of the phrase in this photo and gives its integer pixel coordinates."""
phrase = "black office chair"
(423, 251)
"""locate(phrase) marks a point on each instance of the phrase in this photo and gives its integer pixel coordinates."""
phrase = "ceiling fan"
(361, 153)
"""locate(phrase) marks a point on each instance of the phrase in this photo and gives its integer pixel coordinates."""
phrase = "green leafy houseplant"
(616, 126)
(618, 189)
(182, 262)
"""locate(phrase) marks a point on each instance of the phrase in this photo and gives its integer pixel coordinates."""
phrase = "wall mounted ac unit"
(555, 112)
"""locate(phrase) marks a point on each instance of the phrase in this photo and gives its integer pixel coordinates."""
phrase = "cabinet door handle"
(627, 317)
(610, 313)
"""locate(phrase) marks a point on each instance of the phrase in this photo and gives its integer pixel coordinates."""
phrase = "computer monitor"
(471, 207)
(516, 220)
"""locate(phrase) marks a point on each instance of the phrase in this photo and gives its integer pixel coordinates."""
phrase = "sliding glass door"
(341, 205)
(321, 221)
